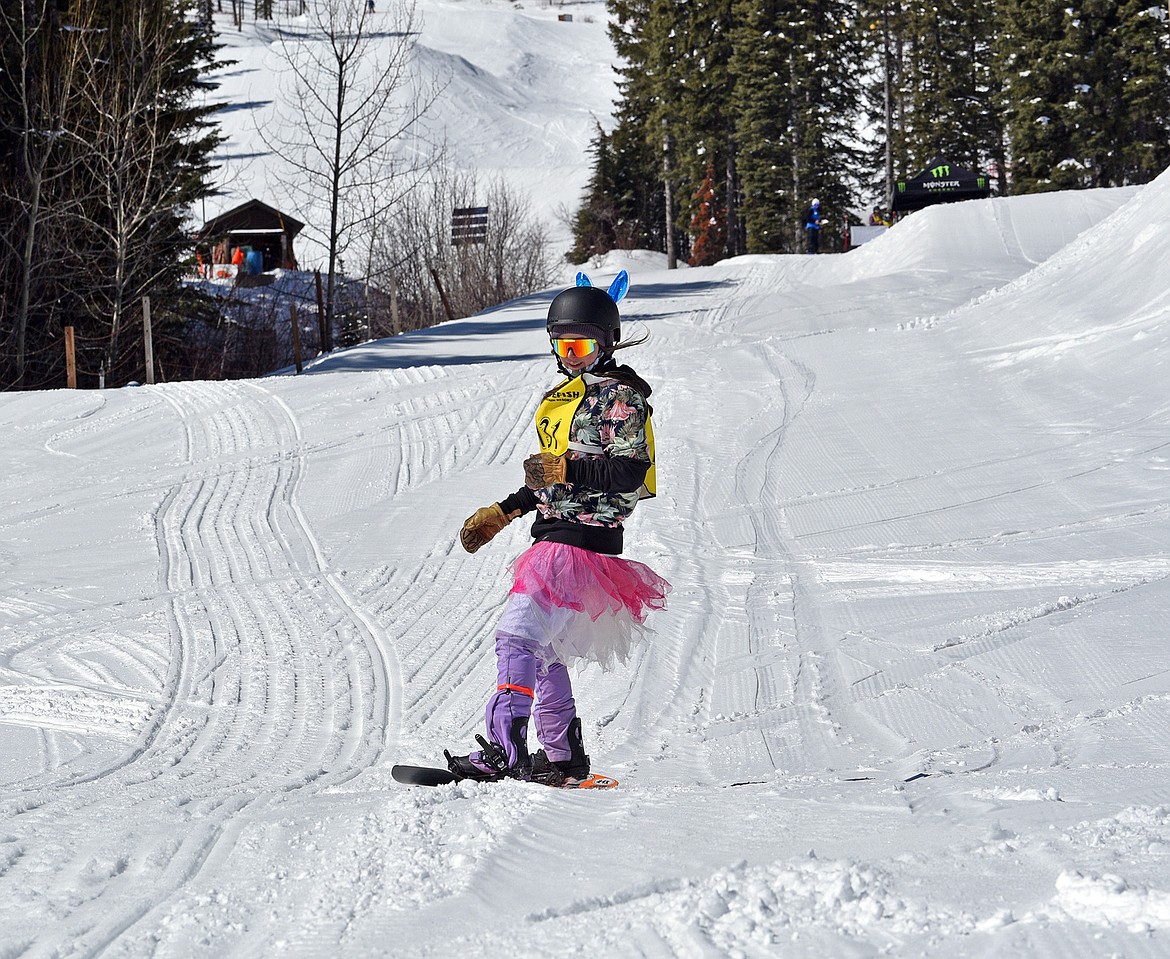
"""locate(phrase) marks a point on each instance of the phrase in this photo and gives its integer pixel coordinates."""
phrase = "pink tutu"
(554, 574)
(572, 589)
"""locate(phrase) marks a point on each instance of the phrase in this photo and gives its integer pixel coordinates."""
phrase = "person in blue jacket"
(812, 226)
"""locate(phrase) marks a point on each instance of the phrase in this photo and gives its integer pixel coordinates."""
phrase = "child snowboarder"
(572, 595)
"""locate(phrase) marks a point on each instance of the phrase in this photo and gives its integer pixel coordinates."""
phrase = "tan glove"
(483, 524)
(544, 469)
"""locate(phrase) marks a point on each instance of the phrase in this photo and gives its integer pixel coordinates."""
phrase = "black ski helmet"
(585, 311)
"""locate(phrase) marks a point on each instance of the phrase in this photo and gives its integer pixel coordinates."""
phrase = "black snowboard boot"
(557, 773)
(478, 768)
(490, 764)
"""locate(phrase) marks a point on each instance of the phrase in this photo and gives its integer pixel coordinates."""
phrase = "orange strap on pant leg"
(517, 689)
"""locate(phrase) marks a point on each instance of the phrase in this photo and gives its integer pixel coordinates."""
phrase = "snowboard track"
(278, 680)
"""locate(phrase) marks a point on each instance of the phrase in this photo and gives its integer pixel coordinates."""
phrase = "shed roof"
(252, 217)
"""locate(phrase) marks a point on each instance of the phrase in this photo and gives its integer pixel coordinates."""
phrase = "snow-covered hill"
(521, 93)
(911, 696)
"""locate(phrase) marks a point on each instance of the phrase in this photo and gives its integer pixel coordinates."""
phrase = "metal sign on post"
(469, 225)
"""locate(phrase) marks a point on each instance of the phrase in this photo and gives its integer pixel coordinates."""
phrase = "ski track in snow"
(848, 653)
(277, 681)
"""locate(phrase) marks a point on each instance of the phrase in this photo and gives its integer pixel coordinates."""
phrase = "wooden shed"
(256, 226)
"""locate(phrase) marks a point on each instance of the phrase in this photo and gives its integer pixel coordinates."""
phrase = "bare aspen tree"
(346, 100)
(45, 57)
(127, 132)
(105, 149)
(415, 248)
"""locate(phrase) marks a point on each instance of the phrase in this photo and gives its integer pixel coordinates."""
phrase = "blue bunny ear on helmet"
(619, 286)
(583, 280)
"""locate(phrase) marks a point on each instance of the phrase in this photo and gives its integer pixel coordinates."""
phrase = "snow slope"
(911, 696)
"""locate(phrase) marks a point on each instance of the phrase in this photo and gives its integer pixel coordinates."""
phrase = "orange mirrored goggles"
(575, 346)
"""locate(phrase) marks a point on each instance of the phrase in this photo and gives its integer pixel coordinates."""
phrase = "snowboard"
(433, 776)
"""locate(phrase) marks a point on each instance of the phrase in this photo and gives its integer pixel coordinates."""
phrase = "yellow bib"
(650, 483)
(554, 417)
(554, 425)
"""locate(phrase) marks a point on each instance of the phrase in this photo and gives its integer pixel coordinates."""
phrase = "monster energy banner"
(941, 182)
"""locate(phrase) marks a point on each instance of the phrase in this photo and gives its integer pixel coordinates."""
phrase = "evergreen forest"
(734, 114)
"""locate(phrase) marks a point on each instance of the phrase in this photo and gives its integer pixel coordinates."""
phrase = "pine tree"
(949, 83)
(1094, 112)
(763, 109)
(1121, 82)
(636, 140)
(676, 83)
(622, 206)
(883, 46)
(1143, 39)
(39, 62)
(1087, 89)
(771, 91)
(146, 161)
(1035, 87)
(826, 78)
(797, 103)
(699, 119)
(595, 225)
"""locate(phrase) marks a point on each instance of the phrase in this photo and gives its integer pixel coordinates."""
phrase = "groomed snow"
(911, 696)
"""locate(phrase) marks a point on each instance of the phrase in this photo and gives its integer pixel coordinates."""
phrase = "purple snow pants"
(523, 674)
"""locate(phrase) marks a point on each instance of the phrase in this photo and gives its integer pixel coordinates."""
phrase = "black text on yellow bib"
(554, 417)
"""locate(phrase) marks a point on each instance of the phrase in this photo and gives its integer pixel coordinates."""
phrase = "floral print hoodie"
(608, 459)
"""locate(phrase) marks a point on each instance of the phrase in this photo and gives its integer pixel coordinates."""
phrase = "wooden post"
(395, 323)
(442, 294)
(148, 340)
(70, 359)
(296, 336)
(325, 344)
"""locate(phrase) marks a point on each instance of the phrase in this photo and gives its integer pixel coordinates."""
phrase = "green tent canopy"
(941, 182)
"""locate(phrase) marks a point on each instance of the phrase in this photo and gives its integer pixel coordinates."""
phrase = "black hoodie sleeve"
(608, 474)
(523, 499)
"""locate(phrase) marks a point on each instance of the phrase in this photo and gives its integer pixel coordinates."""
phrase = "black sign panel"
(941, 182)
(469, 225)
